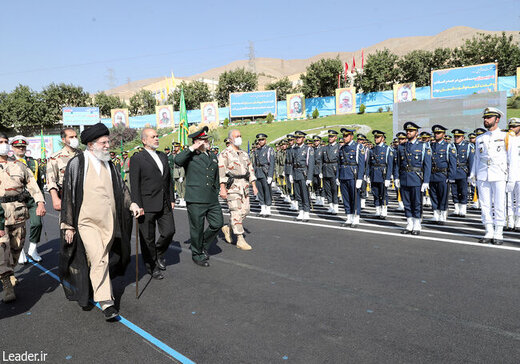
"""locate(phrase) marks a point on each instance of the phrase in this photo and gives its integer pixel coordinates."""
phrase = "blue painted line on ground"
(144, 334)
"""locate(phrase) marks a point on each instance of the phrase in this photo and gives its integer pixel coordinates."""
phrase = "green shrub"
(269, 118)
(315, 114)
(226, 123)
(362, 108)
(380, 110)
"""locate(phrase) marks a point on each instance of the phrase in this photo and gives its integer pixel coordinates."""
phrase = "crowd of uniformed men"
(422, 169)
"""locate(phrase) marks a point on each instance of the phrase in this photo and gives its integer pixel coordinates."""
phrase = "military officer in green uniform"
(202, 188)
(178, 174)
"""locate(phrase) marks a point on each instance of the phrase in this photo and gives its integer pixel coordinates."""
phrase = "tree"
(238, 80)
(194, 93)
(142, 103)
(57, 96)
(415, 67)
(23, 109)
(488, 48)
(380, 72)
(321, 77)
(107, 102)
(282, 87)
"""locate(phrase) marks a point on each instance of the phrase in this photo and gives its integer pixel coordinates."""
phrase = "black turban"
(95, 131)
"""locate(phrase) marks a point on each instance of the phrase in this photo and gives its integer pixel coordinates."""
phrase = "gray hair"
(231, 133)
(143, 132)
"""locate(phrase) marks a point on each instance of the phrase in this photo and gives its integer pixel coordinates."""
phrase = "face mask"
(74, 143)
(238, 141)
(4, 149)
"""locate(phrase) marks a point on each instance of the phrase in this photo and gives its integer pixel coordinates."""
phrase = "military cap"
(492, 111)
(227, 141)
(94, 132)
(479, 131)
(19, 141)
(299, 134)
(377, 133)
(167, 148)
(395, 140)
(290, 137)
(176, 144)
(125, 152)
(346, 131)
(447, 137)
(410, 125)
(513, 122)
(458, 132)
(332, 133)
(438, 129)
(316, 137)
(401, 135)
(425, 134)
(472, 135)
(112, 153)
(200, 134)
(361, 136)
(308, 141)
(261, 136)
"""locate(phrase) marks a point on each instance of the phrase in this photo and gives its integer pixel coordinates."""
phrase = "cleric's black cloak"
(73, 265)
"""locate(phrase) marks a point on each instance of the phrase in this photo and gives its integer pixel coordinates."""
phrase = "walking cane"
(136, 259)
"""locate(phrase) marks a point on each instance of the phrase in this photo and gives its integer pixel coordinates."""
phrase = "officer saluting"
(301, 174)
(489, 173)
(264, 169)
(349, 176)
(413, 176)
(380, 169)
(329, 171)
(459, 189)
(444, 166)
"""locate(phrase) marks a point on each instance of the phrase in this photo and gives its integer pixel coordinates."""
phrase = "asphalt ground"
(307, 293)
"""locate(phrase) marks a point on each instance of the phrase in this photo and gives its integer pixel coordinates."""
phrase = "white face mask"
(238, 141)
(4, 149)
(74, 143)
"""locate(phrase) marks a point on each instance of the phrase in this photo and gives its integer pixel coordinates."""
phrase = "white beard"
(101, 154)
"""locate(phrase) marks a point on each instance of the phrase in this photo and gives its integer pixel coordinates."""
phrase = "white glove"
(321, 176)
(359, 182)
(387, 183)
(451, 181)
(291, 179)
(269, 180)
(472, 180)
(510, 186)
(135, 209)
(181, 179)
(337, 182)
(424, 187)
(397, 183)
(308, 182)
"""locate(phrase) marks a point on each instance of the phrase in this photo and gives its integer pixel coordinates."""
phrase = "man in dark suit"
(152, 189)
(202, 189)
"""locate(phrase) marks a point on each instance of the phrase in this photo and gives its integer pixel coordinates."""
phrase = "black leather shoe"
(157, 274)
(161, 263)
(485, 240)
(406, 231)
(206, 254)
(110, 313)
(202, 263)
(416, 232)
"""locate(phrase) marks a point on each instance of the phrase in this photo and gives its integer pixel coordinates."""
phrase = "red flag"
(346, 70)
(362, 59)
(353, 62)
(339, 78)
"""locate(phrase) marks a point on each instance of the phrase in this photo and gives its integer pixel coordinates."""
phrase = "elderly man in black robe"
(96, 224)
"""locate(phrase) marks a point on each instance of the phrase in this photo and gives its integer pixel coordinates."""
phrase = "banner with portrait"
(295, 106)
(119, 117)
(164, 116)
(404, 92)
(209, 112)
(346, 100)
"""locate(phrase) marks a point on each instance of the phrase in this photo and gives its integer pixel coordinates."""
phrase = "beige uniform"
(56, 168)
(236, 163)
(15, 178)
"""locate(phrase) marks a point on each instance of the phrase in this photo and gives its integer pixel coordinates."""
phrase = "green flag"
(183, 123)
(122, 164)
(42, 146)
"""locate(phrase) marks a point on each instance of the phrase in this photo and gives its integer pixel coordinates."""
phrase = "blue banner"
(246, 104)
(75, 116)
(464, 80)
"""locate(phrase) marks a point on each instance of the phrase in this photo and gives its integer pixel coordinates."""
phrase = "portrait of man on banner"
(404, 92)
(164, 116)
(119, 117)
(209, 112)
(295, 106)
(345, 100)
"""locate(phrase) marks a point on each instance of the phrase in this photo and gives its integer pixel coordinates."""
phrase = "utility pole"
(251, 55)
(111, 77)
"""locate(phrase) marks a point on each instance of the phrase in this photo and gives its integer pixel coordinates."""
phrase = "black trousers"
(377, 190)
(301, 192)
(151, 249)
(331, 189)
(316, 185)
(459, 191)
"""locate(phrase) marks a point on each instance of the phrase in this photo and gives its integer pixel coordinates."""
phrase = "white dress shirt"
(156, 158)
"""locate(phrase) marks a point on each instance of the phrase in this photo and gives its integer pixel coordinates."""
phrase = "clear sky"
(79, 41)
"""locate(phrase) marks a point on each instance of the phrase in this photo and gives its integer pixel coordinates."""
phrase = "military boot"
(242, 244)
(226, 230)
(8, 288)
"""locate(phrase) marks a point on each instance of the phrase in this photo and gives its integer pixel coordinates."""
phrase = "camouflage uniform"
(17, 185)
(233, 162)
(126, 171)
(177, 173)
(280, 161)
(56, 169)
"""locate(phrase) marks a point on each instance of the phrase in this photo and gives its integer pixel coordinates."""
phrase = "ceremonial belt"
(439, 170)
(231, 178)
(461, 164)
(335, 162)
(348, 164)
(413, 169)
(21, 197)
(379, 165)
(300, 166)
